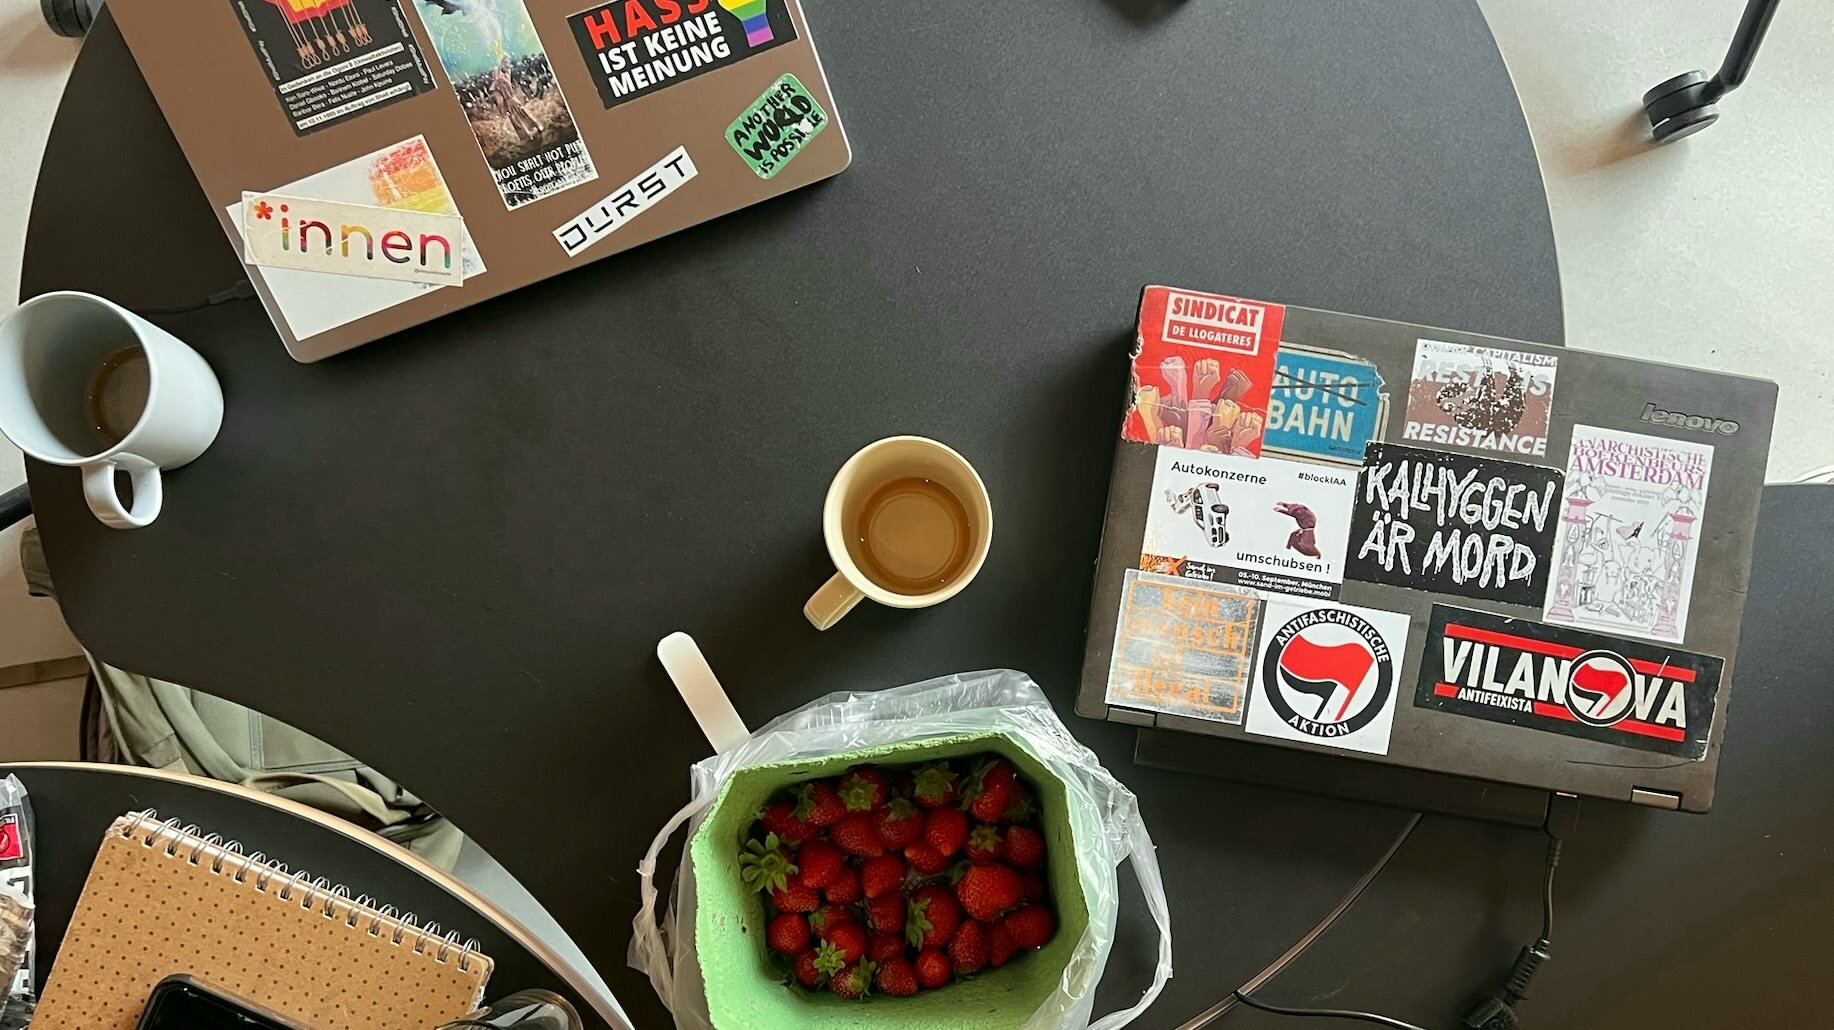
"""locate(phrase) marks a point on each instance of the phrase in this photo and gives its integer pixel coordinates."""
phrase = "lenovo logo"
(1702, 423)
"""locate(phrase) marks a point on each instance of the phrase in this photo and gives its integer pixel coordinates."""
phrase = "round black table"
(452, 552)
(73, 805)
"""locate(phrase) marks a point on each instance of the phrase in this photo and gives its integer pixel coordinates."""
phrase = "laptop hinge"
(1655, 798)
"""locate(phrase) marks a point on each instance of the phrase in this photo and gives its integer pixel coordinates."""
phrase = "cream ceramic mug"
(87, 383)
(907, 522)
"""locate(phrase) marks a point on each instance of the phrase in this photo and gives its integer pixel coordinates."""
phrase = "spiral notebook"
(162, 899)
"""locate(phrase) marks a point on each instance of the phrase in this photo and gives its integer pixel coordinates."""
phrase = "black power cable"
(242, 290)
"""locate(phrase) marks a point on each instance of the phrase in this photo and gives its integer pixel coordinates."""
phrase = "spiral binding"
(333, 901)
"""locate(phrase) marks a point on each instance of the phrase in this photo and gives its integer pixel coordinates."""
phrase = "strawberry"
(796, 896)
(819, 862)
(926, 859)
(844, 889)
(818, 804)
(934, 785)
(1031, 886)
(897, 977)
(1024, 847)
(830, 915)
(828, 960)
(849, 940)
(933, 969)
(946, 830)
(1031, 926)
(882, 875)
(899, 824)
(932, 917)
(882, 946)
(985, 844)
(968, 949)
(806, 972)
(990, 789)
(763, 866)
(863, 789)
(1021, 808)
(988, 890)
(787, 934)
(855, 835)
(781, 820)
(853, 982)
(885, 913)
(1000, 946)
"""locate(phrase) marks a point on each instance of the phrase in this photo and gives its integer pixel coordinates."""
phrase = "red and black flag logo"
(1627, 692)
(1328, 673)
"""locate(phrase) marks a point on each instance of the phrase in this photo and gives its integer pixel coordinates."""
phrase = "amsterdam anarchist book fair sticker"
(1454, 524)
(1558, 680)
(1327, 674)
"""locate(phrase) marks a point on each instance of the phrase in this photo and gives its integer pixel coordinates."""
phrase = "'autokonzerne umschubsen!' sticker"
(1327, 674)
(1559, 680)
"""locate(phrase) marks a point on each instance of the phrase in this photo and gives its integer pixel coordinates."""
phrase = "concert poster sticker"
(513, 103)
(1559, 680)
(1328, 674)
(1462, 395)
(402, 177)
(1324, 406)
(1261, 523)
(638, 47)
(1183, 647)
(1454, 523)
(1202, 367)
(331, 60)
(776, 127)
(1629, 533)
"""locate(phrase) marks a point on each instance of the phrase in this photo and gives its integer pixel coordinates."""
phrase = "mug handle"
(105, 502)
(835, 599)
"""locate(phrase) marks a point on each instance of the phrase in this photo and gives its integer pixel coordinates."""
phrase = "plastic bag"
(16, 929)
(1103, 813)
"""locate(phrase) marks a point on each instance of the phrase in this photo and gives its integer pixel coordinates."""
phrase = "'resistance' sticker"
(1463, 395)
(1558, 680)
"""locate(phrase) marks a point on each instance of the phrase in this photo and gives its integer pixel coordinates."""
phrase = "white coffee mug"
(892, 532)
(61, 403)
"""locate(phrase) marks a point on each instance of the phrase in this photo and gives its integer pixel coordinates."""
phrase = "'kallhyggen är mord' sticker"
(1256, 522)
(1462, 395)
(1557, 680)
(776, 127)
(1324, 406)
(1454, 524)
(1328, 674)
(1629, 533)
(1183, 647)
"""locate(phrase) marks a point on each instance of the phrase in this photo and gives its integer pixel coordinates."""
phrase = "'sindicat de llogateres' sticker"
(1324, 406)
(332, 60)
(776, 127)
(1262, 523)
(1463, 395)
(1183, 647)
(627, 202)
(1558, 680)
(1328, 674)
(1202, 368)
(511, 99)
(634, 48)
(1629, 533)
(1454, 523)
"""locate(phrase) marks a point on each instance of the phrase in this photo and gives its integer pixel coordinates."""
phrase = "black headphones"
(1689, 102)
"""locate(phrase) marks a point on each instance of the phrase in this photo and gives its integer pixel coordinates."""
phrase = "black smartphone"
(183, 1002)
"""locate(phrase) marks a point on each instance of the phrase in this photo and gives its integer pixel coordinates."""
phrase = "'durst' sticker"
(638, 47)
(1183, 647)
(1454, 524)
(1629, 533)
(776, 127)
(1467, 396)
(627, 202)
(1256, 522)
(1327, 674)
(1559, 680)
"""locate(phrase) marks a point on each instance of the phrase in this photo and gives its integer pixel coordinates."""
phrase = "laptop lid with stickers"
(1428, 549)
(380, 163)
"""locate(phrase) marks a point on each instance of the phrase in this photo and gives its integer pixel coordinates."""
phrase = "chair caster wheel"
(1681, 106)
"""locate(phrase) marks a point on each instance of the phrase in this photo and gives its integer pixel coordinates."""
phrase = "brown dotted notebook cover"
(163, 900)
